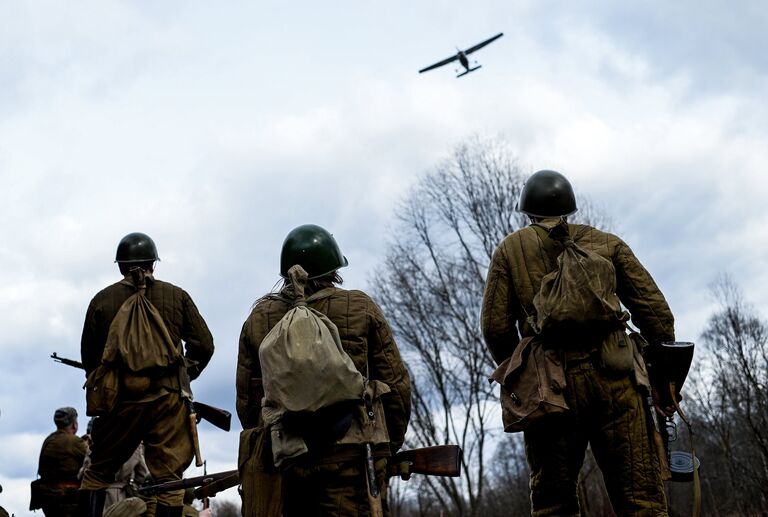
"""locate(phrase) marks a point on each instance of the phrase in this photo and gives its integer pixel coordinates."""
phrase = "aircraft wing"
(439, 64)
(484, 43)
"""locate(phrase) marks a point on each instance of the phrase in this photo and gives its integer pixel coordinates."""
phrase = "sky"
(216, 128)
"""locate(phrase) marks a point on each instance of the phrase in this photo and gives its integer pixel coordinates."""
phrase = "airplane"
(461, 56)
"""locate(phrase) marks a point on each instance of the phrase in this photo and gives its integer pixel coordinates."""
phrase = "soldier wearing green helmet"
(605, 400)
(330, 479)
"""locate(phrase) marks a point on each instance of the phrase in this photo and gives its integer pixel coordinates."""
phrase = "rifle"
(668, 366)
(437, 460)
(182, 484)
(218, 417)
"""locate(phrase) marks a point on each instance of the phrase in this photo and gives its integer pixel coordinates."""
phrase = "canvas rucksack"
(138, 344)
(138, 338)
(305, 369)
(580, 293)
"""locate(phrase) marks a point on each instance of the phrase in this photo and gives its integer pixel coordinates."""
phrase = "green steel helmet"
(136, 247)
(314, 249)
(547, 194)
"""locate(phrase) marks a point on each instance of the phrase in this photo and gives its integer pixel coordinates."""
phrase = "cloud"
(217, 130)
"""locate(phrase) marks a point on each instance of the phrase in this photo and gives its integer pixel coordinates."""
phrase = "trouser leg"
(331, 490)
(168, 447)
(555, 448)
(169, 511)
(91, 503)
(115, 437)
(622, 448)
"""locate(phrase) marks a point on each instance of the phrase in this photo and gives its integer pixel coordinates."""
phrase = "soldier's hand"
(667, 410)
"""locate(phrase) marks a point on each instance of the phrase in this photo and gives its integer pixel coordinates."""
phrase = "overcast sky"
(216, 127)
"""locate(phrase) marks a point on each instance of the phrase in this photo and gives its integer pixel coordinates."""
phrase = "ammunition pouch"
(101, 390)
(35, 496)
(617, 353)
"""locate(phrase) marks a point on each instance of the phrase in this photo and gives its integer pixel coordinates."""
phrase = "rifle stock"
(221, 484)
(438, 460)
(218, 417)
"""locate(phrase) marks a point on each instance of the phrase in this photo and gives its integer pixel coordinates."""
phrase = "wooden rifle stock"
(192, 418)
(438, 460)
(218, 417)
(221, 484)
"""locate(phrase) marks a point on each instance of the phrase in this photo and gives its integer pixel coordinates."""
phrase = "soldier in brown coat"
(606, 408)
(329, 480)
(61, 457)
(150, 409)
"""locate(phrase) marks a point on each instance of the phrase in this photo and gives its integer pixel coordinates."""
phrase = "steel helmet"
(547, 194)
(136, 247)
(314, 249)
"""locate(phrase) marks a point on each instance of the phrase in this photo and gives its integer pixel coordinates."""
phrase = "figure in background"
(61, 457)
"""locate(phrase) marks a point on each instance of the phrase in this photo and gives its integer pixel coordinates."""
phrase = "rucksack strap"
(552, 248)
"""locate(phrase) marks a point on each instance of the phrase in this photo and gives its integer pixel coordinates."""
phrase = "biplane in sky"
(461, 57)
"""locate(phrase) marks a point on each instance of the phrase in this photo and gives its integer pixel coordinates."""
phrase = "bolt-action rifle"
(218, 417)
(218, 479)
(439, 460)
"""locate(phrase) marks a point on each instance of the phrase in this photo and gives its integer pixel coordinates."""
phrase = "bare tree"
(730, 400)
(430, 286)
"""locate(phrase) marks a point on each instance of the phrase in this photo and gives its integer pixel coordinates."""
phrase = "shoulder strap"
(322, 293)
(552, 248)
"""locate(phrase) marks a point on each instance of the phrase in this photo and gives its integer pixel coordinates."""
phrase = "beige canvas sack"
(303, 364)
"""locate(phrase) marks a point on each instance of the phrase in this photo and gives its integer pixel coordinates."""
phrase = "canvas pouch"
(101, 389)
(532, 385)
(617, 353)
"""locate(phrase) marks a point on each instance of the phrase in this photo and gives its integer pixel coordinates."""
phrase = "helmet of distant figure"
(314, 249)
(547, 194)
(136, 247)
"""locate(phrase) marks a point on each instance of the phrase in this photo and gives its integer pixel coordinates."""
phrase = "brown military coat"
(179, 313)
(61, 457)
(522, 259)
(365, 336)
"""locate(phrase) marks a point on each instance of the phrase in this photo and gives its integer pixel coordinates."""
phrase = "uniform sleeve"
(498, 315)
(386, 365)
(197, 338)
(90, 348)
(642, 297)
(248, 368)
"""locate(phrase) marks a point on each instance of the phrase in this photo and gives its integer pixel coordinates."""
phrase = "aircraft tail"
(468, 71)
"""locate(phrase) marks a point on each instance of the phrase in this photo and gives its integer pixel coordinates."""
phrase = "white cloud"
(218, 129)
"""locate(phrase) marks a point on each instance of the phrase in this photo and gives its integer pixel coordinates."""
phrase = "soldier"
(61, 456)
(3, 512)
(151, 408)
(606, 407)
(330, 479)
